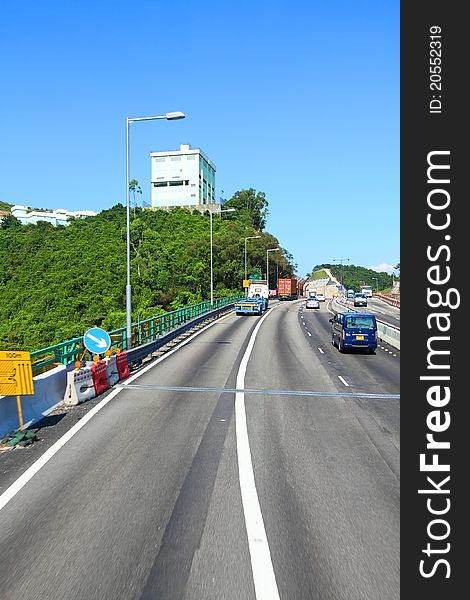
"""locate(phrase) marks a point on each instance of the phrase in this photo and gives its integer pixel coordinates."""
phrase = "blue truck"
(250, 306)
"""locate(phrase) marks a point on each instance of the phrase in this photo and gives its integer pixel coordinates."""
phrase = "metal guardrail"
(143, 333)
(136, 355)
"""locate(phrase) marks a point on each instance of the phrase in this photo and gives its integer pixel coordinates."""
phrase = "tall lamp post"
(251, 237)
(267, 263)
(376, 283)
(170, 116)
(341, 261)
(212, 269)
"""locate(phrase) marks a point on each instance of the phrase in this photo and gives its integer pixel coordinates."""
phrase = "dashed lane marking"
(321, 351)
(343, 380)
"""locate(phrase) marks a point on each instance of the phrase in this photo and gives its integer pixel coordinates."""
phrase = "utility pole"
(340, 260)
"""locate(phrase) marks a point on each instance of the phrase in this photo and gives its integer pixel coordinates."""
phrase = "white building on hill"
(184, 177)
(59, 216)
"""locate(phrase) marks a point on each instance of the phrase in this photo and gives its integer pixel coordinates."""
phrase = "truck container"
(287, 288)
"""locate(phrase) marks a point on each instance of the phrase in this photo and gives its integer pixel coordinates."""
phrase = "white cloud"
(383, 267)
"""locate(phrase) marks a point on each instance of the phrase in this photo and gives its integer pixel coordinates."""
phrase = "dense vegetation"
(355, 276)
(55, 283)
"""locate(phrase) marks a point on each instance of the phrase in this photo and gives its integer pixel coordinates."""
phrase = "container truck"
(287, 288)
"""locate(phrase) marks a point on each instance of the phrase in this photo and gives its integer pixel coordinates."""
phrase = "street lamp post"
(341, 261)
(252, 237)
(267, 263)
(376, 283)
(212, 270)
(171, 116)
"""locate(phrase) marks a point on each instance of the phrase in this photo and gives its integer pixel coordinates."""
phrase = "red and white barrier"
(122, 365)
(388, 300)
(100, 379)
(112, 372)
(80, 386)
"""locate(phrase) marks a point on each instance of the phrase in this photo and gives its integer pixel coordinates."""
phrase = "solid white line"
(264, 578)
(17, 485)
(321, 351)
(343, 381)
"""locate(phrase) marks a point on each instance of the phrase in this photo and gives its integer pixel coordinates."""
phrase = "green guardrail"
(142, 332)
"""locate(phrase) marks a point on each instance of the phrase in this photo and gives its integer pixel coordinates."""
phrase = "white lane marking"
(343, 380)
(394, 355)
(303, 322)
(17, 485)
(321, 351)
(308, 333)
(264, 578)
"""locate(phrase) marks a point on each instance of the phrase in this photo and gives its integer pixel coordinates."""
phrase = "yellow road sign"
(246, 283)
(16, 374)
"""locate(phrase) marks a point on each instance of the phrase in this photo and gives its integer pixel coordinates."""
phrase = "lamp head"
(171, 116)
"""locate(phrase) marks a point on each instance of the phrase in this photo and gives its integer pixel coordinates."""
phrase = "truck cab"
(259, 289)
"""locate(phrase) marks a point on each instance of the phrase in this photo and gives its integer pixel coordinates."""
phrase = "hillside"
(355, 276)
(55, 283)
(5, 205)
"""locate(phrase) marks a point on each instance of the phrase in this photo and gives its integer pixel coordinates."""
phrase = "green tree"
(135, 188)
(9, 221)
(251, 206)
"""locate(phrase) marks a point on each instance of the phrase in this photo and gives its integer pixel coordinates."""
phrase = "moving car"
(321, 297)
(354, 330)
(312, 302)
(350, 294)
(360, 300)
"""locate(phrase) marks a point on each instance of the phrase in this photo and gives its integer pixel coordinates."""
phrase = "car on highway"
(354, 331)
(312, 302)
(360, 300)
(320, 297)
(350, 294)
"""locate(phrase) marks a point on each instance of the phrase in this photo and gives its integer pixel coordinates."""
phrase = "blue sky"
(297, 99)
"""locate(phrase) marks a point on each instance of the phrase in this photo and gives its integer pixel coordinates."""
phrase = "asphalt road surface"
(383, 311)
(291, 492)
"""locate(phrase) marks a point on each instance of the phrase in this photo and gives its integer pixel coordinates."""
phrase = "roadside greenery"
(56, 282)
(355, 276)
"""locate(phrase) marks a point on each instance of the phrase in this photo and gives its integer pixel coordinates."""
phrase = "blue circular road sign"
(97, 340)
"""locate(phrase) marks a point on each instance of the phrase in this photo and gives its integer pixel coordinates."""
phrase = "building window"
(191, 157)
(175, 158)
(193, 195)
(160, 159)
(160, 184)
(173, 183)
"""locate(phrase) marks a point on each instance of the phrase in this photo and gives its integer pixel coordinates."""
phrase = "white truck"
(258, 288)
(310, 289)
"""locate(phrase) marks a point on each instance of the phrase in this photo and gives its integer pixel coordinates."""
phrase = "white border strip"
(264, 578)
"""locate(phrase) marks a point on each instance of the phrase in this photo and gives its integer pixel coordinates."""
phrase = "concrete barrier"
(48, 393)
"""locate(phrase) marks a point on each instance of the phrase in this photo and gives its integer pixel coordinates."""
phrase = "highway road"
(173, 488)
(383, 311)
